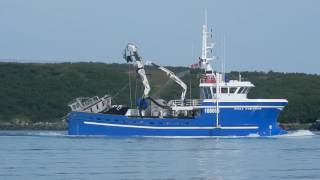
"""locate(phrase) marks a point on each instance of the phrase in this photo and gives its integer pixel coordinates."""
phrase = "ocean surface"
(54, 155)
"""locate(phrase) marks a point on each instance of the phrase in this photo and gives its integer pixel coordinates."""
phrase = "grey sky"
(278, 35)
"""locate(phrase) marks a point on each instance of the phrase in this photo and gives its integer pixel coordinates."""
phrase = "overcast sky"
(278, 35)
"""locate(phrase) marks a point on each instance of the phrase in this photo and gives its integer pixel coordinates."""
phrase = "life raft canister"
(208, 79)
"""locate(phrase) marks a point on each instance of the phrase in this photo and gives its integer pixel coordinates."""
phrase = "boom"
(131, 54)
(174, 78)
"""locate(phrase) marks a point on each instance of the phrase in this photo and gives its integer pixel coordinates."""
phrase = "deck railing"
(187, 102)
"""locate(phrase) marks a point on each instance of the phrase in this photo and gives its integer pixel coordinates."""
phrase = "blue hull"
(234, 119)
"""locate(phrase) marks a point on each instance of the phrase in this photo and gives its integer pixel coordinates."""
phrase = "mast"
(205, 47)
(205, 63)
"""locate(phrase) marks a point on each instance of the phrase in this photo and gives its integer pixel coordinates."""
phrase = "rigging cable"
(129, 76)
(122, 89)
(135, 91)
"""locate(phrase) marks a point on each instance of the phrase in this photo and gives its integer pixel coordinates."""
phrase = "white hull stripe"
(172, 127)
(251, 106)
(226, 107)
(220, 106)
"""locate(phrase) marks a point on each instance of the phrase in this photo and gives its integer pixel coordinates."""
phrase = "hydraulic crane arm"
(131, 54)
(175, 79)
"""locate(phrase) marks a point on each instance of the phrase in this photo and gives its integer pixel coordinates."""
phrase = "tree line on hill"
(39, 92)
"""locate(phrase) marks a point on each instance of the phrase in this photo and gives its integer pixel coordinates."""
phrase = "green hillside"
(34, 92)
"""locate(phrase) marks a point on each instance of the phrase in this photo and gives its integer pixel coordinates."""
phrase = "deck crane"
(175, 78)
(131, 55)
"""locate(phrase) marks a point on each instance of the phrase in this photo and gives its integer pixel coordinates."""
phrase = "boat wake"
(291, 134)
(298, 133)
(48, 133)
(34, 133)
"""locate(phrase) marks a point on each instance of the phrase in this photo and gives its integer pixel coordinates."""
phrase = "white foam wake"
(298, 133)
(46, 133)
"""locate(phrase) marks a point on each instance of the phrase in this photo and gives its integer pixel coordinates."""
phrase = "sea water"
(54, 155)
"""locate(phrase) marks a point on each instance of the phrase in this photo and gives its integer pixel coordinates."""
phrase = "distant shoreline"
(33, 126)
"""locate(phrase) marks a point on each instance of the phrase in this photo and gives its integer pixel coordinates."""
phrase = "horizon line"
(29, 61)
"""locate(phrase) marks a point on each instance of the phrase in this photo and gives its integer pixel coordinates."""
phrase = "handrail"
(187, 102)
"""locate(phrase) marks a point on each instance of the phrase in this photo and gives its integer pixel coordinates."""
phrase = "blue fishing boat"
(222, 109)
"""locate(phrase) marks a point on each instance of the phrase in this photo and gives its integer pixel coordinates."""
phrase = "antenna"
(222, 70)
(205, 17)
(190, 87)
(192, 51)
(224, 56)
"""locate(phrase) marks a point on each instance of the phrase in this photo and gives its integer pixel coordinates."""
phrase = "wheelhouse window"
(224, 90)
(247, 90)
(232, 90)
(240, 90)
(244, 90)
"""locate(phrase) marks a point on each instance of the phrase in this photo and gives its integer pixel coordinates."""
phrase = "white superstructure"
(213, 84)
